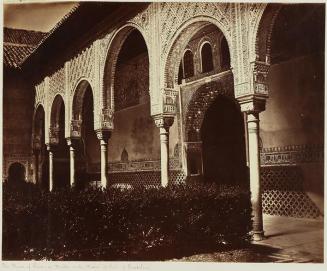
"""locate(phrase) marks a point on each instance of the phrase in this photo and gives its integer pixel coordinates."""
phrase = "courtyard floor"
(288, 239)
(300, 239)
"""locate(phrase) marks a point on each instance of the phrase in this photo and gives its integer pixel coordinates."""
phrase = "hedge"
(122, 224)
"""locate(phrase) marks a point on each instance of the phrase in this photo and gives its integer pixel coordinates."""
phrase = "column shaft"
(104, 163)
(50, 169)
(72, 166)
(254, 163)
(164, 149)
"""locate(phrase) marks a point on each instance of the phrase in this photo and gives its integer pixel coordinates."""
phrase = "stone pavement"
(299, 240)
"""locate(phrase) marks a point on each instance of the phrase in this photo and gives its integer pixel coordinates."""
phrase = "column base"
(258, 235)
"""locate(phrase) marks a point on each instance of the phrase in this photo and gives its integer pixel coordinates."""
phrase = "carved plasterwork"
(81, 66)
(57, 83)
(39, 94)
(200, 102)
(182, 21)
(173, 15)
(142, 20)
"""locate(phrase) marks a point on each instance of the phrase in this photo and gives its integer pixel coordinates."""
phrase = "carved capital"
(162, 121)
(75, 128)
(252, 104)
(50, 147)
(103, 134)
(72, 142)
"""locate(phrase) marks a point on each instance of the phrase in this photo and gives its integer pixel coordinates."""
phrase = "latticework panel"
(283, 193)
(143, 178)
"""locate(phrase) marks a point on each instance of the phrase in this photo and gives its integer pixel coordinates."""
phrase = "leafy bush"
(122, 224)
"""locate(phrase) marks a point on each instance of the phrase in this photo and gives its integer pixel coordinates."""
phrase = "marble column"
(72, 165)
(254, 163)
(104, 136)
(51, 170)
(163, 123)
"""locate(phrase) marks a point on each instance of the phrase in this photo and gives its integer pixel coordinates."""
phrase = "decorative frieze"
(137, 166)
(293, 154)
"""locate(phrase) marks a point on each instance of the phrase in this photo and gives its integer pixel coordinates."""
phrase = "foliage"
(122, 224)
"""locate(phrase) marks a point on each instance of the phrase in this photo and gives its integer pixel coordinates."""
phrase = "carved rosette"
(76, 128)
(169, 102)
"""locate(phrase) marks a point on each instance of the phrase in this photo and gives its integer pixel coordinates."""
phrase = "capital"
(50, 147)
(103, 134)
(163, 121)
(252, 104)
(71, 141)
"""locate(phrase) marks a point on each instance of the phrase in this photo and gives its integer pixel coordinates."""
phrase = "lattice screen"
(283, 192)
(144, 178)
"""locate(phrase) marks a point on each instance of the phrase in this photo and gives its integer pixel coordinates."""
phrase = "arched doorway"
(61, 150)
(16, 174)
(223, 143)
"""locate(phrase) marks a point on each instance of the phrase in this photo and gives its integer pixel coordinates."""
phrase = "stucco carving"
(173, 15)
(39, 94)
(57, 83)
(81, 66)
(200, 102)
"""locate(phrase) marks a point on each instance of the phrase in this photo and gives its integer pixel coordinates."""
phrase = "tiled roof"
(58, 25)
(18, 44)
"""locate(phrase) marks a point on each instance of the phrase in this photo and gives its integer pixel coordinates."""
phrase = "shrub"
(122, 224)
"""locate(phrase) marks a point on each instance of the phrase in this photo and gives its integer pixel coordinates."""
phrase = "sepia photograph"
(163, 132)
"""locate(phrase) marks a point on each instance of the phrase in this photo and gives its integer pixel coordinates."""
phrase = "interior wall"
(18, 105)
(294, 115)
(134, 128)
(294, 112)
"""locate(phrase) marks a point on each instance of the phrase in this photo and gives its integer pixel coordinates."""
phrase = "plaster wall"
(294, 112)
